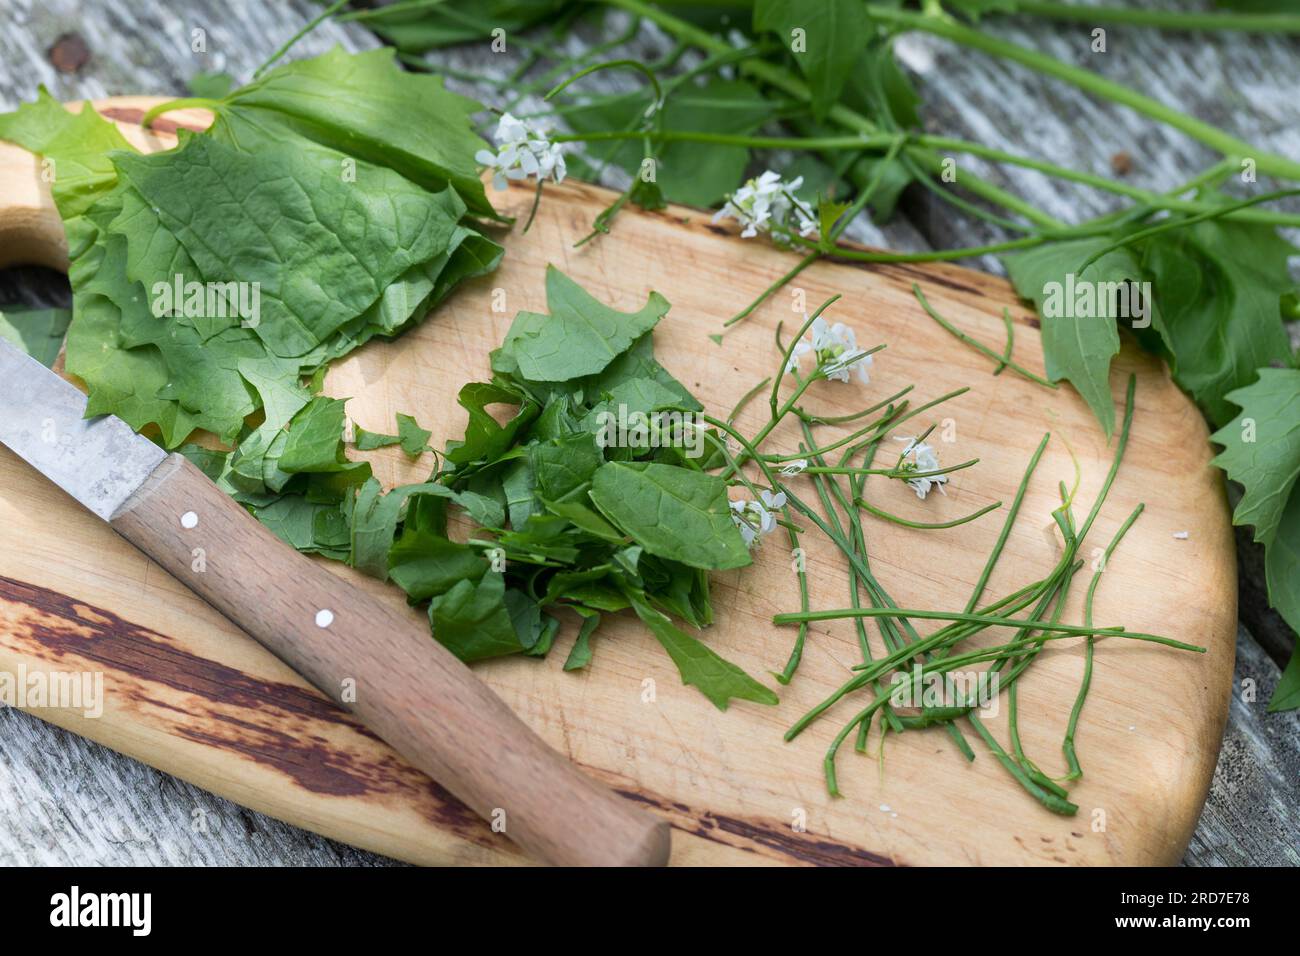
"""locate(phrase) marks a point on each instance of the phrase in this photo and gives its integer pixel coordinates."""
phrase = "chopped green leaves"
(574, 503)
(672, 512)
(581, 336)
(413, 439)
(717, 679)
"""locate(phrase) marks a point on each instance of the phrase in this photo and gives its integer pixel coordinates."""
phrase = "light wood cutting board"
(190, 694)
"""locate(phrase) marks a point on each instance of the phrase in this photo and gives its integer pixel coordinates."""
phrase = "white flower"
(796, 467)
(923, 459)
(765, 201)
(755, 518)
(801, 348)
(836, 349)
(522, 151)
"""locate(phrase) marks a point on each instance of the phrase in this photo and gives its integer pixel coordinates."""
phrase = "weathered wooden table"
(64, 800)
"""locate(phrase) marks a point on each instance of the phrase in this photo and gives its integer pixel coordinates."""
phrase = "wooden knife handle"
(409, 689)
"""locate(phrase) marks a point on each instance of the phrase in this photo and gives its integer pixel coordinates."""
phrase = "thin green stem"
(1161, 19)
(1003, 360)
(1067, 745)
(950, 29)
(185, 102)
(925, 525)
(325, 14)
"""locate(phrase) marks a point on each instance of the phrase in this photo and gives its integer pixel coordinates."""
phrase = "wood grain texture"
(376, 659)
(727, 778)
(65, 799)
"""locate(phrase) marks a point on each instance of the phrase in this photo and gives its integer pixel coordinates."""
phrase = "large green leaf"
(580, 337)
(75, 147)
(228, 210)
(1076, 346)
(834, 34)
(38, 332)
(671, 512)
(1219, 284)
(365, 106)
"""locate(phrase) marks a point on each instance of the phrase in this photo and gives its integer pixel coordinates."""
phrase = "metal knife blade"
(99, 461)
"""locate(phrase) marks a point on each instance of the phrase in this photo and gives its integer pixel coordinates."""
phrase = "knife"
(409, 689)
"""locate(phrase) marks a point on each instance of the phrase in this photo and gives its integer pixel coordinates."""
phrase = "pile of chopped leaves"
(813, 88)
(355, 223)
(568, 518)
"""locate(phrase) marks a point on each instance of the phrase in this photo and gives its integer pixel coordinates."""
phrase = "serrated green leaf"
(403, 120)
(1286, 696)
(580, 655)
(472, 620)
(1261, 448)
(363, 235)
(1219, 285)
(38, 332)
(413, 439)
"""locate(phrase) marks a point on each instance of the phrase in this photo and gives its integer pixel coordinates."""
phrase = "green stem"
(324, 15)
(839, 114)
(185, 102)
(771, 290)
(987, 620)
(950, 29)
(1067, 745)
(1183, 223)
(887, 472)
(607, 65)
(1162, 19)
(924, 525)
(1004, 361)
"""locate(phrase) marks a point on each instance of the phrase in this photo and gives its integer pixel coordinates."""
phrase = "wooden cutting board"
(191, 695)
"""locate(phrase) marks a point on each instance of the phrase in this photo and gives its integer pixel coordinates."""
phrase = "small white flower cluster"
(796, 467)
(835, 348)
(923, 459)
(522, 151)
(767, 200)
(763, 521)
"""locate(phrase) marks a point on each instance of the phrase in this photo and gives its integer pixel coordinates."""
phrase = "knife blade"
(373, 658)
(100, 461)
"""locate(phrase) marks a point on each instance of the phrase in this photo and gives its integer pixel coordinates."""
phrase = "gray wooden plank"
(1252, 816)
